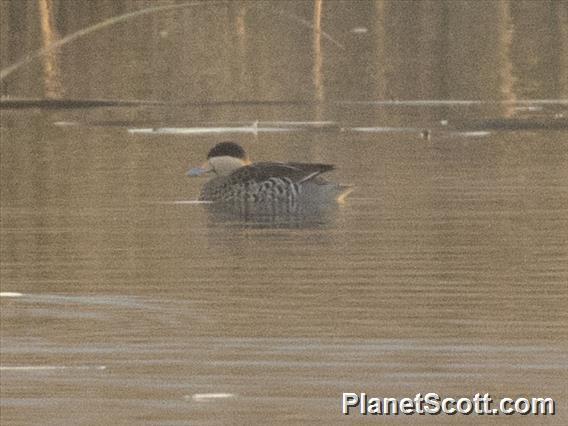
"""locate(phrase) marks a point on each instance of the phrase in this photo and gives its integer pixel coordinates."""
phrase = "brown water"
(446, 270)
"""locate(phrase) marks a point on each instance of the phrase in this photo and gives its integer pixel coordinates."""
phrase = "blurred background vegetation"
(288, 50)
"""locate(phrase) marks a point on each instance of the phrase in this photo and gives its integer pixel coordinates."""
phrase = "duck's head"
(223, 159)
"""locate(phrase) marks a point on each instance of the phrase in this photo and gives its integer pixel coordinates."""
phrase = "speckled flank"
(285, 184)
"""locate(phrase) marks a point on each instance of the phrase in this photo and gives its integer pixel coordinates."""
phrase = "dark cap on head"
(230, 149)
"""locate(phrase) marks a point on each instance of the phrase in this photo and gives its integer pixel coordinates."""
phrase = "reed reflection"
(318, 55)
(228, 216)
(506, 65)
(52, 82)
(241, 31)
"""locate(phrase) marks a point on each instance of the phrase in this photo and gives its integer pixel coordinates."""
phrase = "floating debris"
(359, 30)
(10, 294)
(316, 124)
(473, 134)
(529, 108)
(50, 367)
(425, 134)
(66, 123)
(450, 102)
(379, 129)
(208, 396)
(208, 130)
(56, 299)
(513, 124)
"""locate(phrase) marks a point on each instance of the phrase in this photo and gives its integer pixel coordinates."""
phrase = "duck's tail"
(343, 192)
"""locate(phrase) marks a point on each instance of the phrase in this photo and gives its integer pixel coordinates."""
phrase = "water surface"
(444, 272)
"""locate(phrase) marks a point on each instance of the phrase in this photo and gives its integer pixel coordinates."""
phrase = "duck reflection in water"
(269, 193)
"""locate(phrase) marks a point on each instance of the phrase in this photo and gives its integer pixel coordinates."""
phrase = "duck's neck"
(226, 165)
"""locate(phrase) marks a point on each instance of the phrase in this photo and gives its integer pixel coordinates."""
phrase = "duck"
(236, 180)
